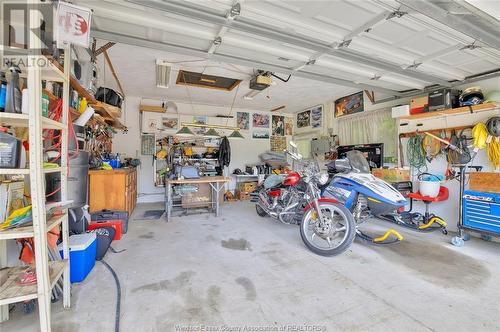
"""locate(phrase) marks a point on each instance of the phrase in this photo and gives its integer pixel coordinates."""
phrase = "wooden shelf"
(27, 231)
(22, 120)
(26, 171)
(452, 111)
(11, 292)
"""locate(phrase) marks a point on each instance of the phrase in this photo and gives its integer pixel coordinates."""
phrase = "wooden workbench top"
(116, 170)
(203, 179)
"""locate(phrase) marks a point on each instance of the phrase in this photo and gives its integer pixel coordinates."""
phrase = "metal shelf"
(27, 231)
(22, 120)
(11, 292)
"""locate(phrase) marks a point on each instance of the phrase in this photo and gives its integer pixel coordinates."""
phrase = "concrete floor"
(242, 270)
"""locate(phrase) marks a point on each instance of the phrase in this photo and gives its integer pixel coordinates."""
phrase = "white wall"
(243, 152)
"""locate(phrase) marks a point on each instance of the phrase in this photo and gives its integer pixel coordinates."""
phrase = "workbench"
(216, 183)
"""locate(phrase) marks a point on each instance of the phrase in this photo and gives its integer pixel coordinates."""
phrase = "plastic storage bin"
(82, 253)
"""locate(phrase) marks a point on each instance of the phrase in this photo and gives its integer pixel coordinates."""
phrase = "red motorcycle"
(292, 197)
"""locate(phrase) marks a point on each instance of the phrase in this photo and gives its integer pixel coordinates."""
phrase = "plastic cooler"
(82, 253)
(116, 224)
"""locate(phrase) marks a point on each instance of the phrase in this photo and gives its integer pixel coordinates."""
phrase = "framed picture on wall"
(278, 125)
(304, 119)
(243, 120)
(260, 134)
(199, 120)
(169, 123)
(349, 104)
(316, 116)
(260, 120)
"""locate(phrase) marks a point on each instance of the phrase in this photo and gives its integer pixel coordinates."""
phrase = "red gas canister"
(116, 224)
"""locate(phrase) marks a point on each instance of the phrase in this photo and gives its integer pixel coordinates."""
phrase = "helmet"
(471, 96)
(492, 96)
(493, 126)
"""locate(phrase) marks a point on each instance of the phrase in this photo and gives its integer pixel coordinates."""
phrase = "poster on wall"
(349, 104)
(199, 119)
(169, 123)
(260, 134)
(278, 143)
(260, 121)
(304, 119)
(243, 120)
(316, 116)
(288, 126)
(278, 125)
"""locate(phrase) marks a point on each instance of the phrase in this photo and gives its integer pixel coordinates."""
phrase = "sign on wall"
(73, 25)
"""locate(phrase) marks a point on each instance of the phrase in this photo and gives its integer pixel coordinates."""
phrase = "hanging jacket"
(224, 152)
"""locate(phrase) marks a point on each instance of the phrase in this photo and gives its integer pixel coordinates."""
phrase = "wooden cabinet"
(113, 190)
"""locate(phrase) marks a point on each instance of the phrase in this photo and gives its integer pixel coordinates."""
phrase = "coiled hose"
(118, 295)
(415, 152)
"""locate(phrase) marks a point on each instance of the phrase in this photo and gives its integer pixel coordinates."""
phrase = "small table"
(215, 182)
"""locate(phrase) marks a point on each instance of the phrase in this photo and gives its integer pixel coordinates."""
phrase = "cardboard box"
(248, 187)
(400, 111)
(392, 174)
(485, 181)
(11, 198)
(419, 104)
(242, 195)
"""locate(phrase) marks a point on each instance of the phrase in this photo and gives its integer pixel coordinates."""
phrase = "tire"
(350, 232)
(260, 211)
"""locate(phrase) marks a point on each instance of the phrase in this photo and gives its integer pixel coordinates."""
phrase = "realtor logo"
(18, 36)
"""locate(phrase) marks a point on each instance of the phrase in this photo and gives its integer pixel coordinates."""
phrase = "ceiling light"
(163, 70)
(236, 135)
(251, 94)
(184, 131)
(211, 133)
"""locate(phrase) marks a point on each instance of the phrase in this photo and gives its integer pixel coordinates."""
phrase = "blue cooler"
(82, 252)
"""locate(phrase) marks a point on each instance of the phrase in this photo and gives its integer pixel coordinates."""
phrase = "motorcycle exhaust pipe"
(262, 202)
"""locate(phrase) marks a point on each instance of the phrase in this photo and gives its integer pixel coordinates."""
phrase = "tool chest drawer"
(481, 211)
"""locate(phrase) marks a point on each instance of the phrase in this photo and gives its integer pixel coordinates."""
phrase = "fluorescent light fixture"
(163, 73)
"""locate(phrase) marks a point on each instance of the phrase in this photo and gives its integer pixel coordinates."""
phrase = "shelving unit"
(47, 272)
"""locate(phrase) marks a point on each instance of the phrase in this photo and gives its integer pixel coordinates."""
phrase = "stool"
(428, 218)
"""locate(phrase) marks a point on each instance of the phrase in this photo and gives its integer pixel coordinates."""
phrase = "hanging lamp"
(184, 131)
(236, 135)
(211, 133)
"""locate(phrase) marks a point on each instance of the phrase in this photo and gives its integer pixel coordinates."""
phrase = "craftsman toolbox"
(481, 211)
(112, 215)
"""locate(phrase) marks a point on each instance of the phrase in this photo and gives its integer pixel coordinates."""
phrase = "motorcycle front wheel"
(331, 237)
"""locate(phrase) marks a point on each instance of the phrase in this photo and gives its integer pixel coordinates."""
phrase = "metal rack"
(47, 272)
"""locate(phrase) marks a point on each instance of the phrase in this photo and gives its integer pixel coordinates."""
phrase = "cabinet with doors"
(113, 189)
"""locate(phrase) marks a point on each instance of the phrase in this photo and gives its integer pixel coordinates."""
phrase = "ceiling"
(331, 48)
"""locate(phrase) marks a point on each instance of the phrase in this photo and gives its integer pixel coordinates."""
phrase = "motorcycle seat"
(442, 196)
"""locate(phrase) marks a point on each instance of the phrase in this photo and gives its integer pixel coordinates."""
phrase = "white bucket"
(429, 185)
